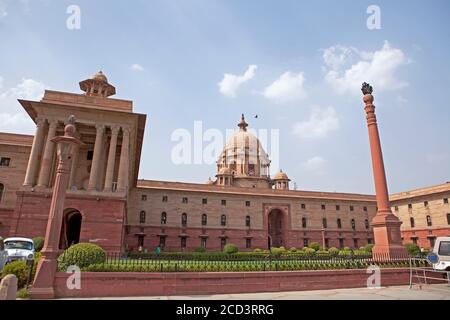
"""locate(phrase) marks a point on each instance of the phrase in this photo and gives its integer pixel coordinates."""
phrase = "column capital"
(40, 121)
(126, 129)
(100, 127)
(115, 129)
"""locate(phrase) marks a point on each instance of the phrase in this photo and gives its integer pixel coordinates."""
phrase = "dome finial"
(243, 125)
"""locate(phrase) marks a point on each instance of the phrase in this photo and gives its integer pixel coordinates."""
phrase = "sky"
(297, 65)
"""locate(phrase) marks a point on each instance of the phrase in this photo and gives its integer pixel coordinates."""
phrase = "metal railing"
(422, 273)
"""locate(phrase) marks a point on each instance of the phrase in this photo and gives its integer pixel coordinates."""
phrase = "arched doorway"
(71, 228)
(276, 228)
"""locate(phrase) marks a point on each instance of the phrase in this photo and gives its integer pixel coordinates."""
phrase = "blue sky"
(309, 59)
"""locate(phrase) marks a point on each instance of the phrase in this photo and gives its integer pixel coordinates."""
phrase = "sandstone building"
(107, 204)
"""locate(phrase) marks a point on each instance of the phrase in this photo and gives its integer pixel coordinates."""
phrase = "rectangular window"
(144, 197)
(203, 243)
(90, 155)
(369, 241)
(365, 209)
(165, 199)
(162, 242)
(355, 243)
(4, 162)
(425, 203)
(409, 206)
(448, 218)
(445, 200)
(338, 207)
(247, 203)
(140, 242)
(432, 242)
(303, 206)
(305, 242)
(323, 207)
(327, 243)
(414, 240)
(352, 208)
(224, 202)
(204, 201)
(223, 242)
(248, 243)
(185, 200)
(341, 243)
(396, 208)
(183, 242)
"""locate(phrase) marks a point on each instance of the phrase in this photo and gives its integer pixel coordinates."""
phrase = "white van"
(442, 250)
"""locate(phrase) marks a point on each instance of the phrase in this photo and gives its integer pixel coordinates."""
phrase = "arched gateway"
(71, 228)
(276, 228)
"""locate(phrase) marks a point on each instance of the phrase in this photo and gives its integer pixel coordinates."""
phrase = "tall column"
(47, 159)
(47, 266)
(386, 226)
(36, 149)
(93, 178)
(122, 183)
(111, 158)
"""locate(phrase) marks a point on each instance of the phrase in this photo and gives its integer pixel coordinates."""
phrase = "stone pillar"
(111, 158)
(47, 266)
(8, 287)
(36, 149)
(122, 183)
(386, 226)
(47, 159)
(95, 168)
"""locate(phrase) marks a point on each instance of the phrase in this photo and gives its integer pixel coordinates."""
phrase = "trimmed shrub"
(309, 251)
(322, 252)
(257, 250)
(333, 251)
(23, 294)
(81, 255)
(230, 249)
(20, 270)
(315, 246)
(38, 243)
(413, 249)
(368, 248)
(200, 249)
(293, 249)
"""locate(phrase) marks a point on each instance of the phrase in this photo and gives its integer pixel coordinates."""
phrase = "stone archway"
(276, 227)
(71, 228)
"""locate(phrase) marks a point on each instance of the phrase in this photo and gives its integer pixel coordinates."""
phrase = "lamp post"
(386, 226)
(47, 266)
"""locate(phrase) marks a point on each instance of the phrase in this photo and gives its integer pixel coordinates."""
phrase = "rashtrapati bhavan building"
(107, 204)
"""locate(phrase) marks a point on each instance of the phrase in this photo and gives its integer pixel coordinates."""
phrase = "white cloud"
(12, 116)
(1, 82)
(231, 83)
(378, 68)
(136, 67)
(289, 87)
(314, 164)
(320, 123)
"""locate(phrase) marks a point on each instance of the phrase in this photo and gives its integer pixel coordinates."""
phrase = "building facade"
(107, 204)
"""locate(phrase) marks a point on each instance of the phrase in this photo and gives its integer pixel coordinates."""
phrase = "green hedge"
(81, 255)
(38, 243)
(20, 270)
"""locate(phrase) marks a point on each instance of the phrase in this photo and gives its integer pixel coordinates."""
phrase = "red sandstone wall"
(102, 221)
(5, 221)
(153, 284)
(423, 235)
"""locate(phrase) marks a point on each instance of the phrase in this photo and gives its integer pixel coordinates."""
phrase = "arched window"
(223, 220)
(429, 222)
(411, 221)
(339, 223)
(184, 219)
(353, 224)
(303, 222)
(2, 189)
(247, 221)
(163, 218)
(366, 223)
(324, 223)
(204, 219)
(142, 217)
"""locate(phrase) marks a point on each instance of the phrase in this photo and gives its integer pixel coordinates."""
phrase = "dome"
(99, 76)
(281, 176)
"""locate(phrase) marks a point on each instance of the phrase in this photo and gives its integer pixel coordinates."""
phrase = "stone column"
(95, 168)
(122, 183)
(36, 149)
(47, 266)
(386, 226)
(47, 159)
(111, 158)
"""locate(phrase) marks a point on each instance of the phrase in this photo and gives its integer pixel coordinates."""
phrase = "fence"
(222, 263)
(422, 273)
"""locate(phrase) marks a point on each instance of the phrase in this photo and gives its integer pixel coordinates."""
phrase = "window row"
(184, 219)
(429, 221)
(425, 204)
(185, 200)
(337, 207)
(203, 242)
(338, 223)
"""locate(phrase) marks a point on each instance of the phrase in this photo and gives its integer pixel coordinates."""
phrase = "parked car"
(19, 249)
(442, 251)
(3, 254)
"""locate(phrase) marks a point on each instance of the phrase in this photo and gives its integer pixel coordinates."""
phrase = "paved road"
(430, 292)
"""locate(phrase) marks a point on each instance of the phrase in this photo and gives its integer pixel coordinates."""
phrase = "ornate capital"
(100, 128)
(366, 88)
(40, 121)
(126, 130)
(115, 129)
